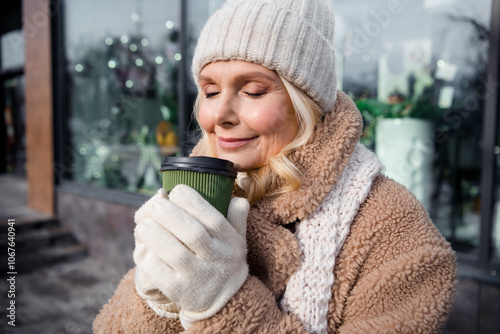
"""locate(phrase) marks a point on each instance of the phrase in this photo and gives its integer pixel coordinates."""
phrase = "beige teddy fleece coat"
(394, 274)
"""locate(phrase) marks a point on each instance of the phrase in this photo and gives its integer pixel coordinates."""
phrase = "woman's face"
(246, 112)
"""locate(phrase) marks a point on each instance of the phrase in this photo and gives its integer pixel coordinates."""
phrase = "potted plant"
(400, 130)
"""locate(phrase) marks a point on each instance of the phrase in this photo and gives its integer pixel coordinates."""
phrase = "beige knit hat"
(292, 37)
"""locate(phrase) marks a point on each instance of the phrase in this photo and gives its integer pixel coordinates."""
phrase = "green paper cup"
(213, 178)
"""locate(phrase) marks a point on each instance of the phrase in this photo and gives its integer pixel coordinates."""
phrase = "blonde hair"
(259, 182)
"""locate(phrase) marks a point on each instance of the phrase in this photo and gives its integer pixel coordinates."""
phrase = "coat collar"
(273, 251)
(321, 162)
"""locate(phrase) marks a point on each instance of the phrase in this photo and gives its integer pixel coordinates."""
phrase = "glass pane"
(12, 50)
(496, 213)
(13, 110)
(122, 66)
(417, 71)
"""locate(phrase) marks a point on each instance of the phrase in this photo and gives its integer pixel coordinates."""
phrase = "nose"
(226, 111)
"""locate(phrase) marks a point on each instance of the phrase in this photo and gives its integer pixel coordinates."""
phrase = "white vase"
(405, 147)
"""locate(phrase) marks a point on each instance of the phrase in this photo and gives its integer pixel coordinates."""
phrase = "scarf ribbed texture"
(321, 236)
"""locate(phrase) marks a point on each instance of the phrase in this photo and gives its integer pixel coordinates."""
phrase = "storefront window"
(417, 71)
(496, 213)
(122, 73)
(12, 111)
(13, 117)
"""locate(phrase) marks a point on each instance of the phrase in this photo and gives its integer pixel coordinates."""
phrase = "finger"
(161, 276)
(166, 247)
(195, 205)
(139, 253)
(145, 210)
(145, 288)
(237, 215)
(182, 226)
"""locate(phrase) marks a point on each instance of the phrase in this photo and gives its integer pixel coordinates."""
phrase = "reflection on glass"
(12, 50)
(417, 72)
(122, 69)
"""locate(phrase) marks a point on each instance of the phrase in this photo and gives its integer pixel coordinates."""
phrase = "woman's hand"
(190, 252)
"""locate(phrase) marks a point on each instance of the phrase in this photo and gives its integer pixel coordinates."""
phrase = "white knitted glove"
(155, 299)
(190, 252)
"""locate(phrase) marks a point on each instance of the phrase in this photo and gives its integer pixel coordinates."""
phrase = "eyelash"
(210, 95)
(253, 95)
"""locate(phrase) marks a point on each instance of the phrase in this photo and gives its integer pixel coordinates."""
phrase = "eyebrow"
(245, 75)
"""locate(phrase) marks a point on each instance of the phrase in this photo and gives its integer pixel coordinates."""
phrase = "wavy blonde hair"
(259, 182)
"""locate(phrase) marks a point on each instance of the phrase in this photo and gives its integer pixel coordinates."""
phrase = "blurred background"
(95, 94)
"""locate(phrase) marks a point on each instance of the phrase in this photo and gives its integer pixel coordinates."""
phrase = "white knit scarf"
(321, 236)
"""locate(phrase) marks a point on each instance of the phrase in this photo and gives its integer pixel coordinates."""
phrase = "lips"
(233, 143)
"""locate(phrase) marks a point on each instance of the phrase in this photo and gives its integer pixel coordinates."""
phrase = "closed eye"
(254, 95)
(210, 95)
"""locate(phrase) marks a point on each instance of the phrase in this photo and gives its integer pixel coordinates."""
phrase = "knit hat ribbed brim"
(292, 37)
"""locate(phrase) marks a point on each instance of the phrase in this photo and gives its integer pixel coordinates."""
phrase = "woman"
(327, 245)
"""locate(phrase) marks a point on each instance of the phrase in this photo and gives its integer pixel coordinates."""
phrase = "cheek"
(274, 122)
(205, 120)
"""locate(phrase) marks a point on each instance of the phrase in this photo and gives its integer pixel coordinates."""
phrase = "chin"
(239, 165)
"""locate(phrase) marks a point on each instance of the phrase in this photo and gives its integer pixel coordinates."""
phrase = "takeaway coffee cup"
(213, 178)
